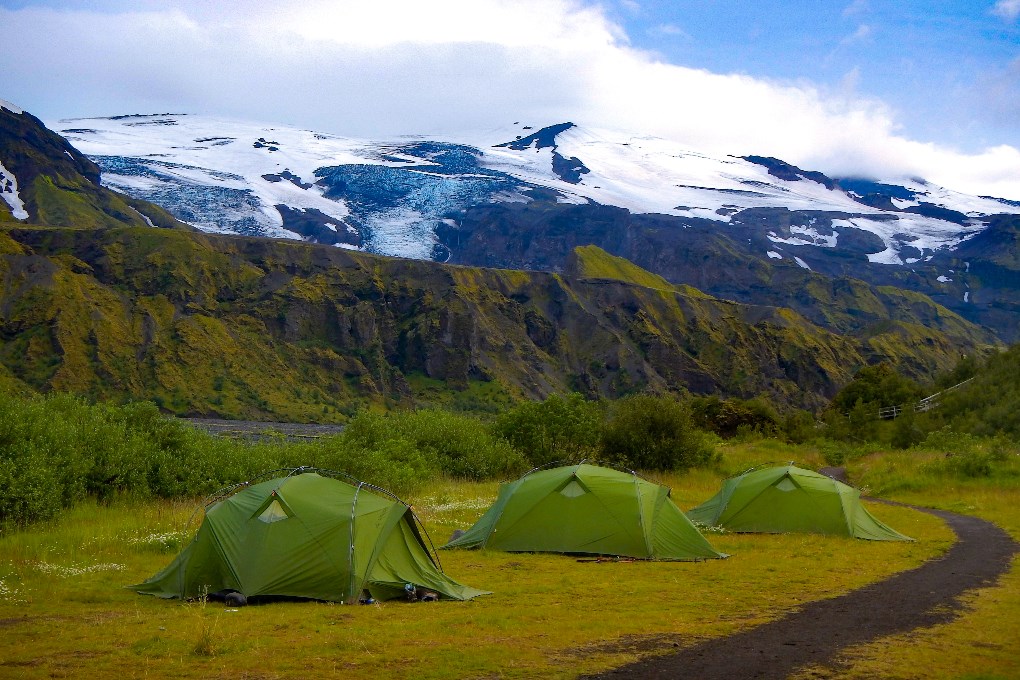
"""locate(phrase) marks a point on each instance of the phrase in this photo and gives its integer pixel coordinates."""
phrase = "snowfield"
(389, 196)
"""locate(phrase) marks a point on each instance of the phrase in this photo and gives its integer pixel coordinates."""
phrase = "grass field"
(65, 613)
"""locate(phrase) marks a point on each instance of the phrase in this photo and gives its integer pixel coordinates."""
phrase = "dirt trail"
(817, 632)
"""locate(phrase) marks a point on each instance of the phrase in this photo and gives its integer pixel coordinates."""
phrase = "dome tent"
(791, 499)
(587, 509)
(308, 535)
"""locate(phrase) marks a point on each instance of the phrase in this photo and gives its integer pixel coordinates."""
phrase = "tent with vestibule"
(308, 535)
(791, 499)
(587, 509)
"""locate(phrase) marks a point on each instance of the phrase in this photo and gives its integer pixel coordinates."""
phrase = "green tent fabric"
(305, 535)
(587, 509)
(791, 499)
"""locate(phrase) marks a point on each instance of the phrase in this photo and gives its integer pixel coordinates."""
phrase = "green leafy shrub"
(59, 449)
(455, 444)
(648, 432)
(558, 429)
(800, 426)
(965, 455)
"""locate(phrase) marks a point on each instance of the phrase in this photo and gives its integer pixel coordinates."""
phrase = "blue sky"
(865, 87)
(950, 69)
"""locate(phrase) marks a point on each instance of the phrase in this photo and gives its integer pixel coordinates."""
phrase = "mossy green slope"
(258, 328)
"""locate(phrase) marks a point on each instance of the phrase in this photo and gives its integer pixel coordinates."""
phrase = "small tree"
(876, 387)
(654, 433)
(557, 429)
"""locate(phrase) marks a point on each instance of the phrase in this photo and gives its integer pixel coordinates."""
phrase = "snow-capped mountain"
(398, 197)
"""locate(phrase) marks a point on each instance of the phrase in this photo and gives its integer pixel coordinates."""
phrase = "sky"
(874, 88)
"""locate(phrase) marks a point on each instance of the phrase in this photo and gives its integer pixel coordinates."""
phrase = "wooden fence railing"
(927, 404)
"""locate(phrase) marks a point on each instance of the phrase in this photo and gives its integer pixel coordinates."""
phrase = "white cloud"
(862, 33)
(670, 30)
(1007, 9)
(389, 67)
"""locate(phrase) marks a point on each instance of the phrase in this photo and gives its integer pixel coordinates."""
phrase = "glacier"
(391, 196)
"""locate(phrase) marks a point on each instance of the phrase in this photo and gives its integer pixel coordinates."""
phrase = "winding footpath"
(816, 633)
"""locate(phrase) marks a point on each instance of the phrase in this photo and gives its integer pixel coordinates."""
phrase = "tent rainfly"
(306, 535)
(586, 509)
(791, 499)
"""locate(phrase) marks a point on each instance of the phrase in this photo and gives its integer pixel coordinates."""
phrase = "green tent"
(589, 510)
(791, 499)
(306, 535)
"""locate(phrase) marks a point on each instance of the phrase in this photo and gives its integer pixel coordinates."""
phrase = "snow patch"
(944, 279)
(773, 255)
(805, 236)
(802, 263)
(966, 296)
(4, 104)
(330, 226)
(887, 256)
(903, 203)
(9, 191)
(144, 217)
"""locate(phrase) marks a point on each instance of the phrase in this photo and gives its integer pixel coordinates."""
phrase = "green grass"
(64, 611)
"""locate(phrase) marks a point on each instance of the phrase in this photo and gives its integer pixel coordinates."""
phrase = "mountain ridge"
(497, 199)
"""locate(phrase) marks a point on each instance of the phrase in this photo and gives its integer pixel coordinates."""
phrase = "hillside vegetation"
(60, 450)
(263, 329)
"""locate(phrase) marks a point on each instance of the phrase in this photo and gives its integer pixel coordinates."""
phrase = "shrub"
(876, 387)
(965, 455)
(800, 426)
(455, 444)
(557, 429)
(654, 433)
(732, 417)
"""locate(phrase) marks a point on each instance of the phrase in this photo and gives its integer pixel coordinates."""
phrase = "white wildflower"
(166, 539)
(67, 571)
(10, 594)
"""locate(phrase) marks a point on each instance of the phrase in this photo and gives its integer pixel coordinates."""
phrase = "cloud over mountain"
(392, 67)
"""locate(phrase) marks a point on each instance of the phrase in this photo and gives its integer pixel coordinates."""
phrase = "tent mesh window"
(786, 484)
(273, 510)
(573, 488)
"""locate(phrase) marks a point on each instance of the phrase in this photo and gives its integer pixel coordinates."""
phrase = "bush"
(965, 455)
(557, 429)
(800, 426)
(732, 417)
(455, 444)
(654, 433)
(59, 449)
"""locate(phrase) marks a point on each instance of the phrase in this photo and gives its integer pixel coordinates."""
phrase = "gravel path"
(253, 430)
(816, 633)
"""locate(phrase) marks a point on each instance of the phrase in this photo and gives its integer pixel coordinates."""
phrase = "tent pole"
(350, 551)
